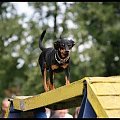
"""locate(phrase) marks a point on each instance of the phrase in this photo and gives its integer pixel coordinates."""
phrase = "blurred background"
(94, 26)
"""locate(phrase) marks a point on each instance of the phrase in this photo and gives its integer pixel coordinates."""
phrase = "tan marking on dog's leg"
(48, 83)
(52, 86)
(67, 81)
(44, 81)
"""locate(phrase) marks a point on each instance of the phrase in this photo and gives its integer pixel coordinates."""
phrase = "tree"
(99, 21)
(10, 37)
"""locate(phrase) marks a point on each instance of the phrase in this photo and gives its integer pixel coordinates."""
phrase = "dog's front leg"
(67, 76)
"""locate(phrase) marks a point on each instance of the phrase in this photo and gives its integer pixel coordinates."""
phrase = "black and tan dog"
(55, 60)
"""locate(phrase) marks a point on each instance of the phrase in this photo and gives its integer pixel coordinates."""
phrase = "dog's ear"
(72, 42)
(60, 36)
(56, 44)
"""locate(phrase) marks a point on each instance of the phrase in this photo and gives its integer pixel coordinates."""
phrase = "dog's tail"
(40, 40)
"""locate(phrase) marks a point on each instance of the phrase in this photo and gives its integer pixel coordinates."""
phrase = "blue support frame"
(12, 112)
(86, 110)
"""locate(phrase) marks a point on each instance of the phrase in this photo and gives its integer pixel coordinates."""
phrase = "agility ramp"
(58, 98)
(102, 93)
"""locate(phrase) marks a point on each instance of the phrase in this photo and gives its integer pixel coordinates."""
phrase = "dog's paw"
(46, 89)
(52, 87)
(67, 82)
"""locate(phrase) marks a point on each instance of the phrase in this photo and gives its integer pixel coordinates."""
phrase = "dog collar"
(60, 61)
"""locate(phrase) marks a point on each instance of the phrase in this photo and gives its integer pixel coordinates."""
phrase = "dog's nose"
(67, 51)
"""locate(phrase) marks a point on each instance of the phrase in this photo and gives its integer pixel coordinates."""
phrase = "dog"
(55, 60)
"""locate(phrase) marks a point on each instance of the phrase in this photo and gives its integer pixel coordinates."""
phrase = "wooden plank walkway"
(58, 98)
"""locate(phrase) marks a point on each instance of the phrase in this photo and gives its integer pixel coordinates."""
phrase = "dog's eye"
(69, 45)
(63, 45)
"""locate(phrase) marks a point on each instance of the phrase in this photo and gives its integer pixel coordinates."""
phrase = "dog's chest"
(55, 67)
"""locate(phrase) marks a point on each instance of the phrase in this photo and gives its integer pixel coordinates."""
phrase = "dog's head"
(64, 46)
